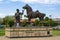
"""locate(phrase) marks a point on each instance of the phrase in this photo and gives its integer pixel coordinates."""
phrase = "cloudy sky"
(49, 7)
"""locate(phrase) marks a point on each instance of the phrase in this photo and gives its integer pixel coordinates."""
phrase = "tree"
(37, 22)
(46, 18)
(11, 23)
(24, 23)
(7, 20)
(1, 20)
(51, 23)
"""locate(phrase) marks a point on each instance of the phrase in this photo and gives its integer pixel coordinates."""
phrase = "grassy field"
(55, 32)
(2, 31)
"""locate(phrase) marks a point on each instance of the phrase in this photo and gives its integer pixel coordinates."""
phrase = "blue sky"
(49, 7)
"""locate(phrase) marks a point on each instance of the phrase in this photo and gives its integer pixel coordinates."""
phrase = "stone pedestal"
(27, 32)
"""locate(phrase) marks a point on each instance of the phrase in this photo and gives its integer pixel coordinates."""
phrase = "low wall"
(24, 32)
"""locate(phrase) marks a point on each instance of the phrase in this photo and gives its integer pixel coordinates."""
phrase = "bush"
(37, 22)
(11, 23)
(24, 23)
(50, 23)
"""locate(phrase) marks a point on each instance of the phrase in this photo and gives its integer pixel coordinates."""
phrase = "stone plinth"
(24, 32)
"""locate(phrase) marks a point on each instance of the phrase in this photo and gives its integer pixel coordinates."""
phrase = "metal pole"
(50, 19)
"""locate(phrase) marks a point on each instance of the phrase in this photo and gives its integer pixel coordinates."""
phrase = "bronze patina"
(31, 14)
(17, 16)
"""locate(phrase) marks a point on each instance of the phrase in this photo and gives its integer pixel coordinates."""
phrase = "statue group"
(30, 14)
(17, 32)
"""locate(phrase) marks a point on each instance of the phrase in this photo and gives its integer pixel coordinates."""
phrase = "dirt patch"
(31, 38)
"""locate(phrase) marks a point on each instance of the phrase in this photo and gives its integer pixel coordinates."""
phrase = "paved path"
(34, 38)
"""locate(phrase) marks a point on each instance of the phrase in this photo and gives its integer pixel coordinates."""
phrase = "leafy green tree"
(50, 23)
(1, 20)
(37, 22)
(46, 18)
(11, 23)
(24, 23)
(7, 20)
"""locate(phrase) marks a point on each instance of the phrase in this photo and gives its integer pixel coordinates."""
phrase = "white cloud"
(11, 14)
(14, 0)
(39, 1)
(2, 15)
(55, 1)
(25, 1)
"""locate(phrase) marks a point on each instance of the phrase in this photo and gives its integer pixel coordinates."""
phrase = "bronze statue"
(31, 14)
(17, 16)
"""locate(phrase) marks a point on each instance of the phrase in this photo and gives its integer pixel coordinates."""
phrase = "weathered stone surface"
(23, 32)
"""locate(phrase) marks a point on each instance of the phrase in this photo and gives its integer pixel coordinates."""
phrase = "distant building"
(57, 20)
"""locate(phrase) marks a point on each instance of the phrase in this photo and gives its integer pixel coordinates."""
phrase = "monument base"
(28, 32)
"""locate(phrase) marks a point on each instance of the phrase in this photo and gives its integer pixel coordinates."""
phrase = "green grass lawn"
(2, 31)
(55, 32)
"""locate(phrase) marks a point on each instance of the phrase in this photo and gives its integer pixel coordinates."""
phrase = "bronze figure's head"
(17, 10)
(26, 6)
